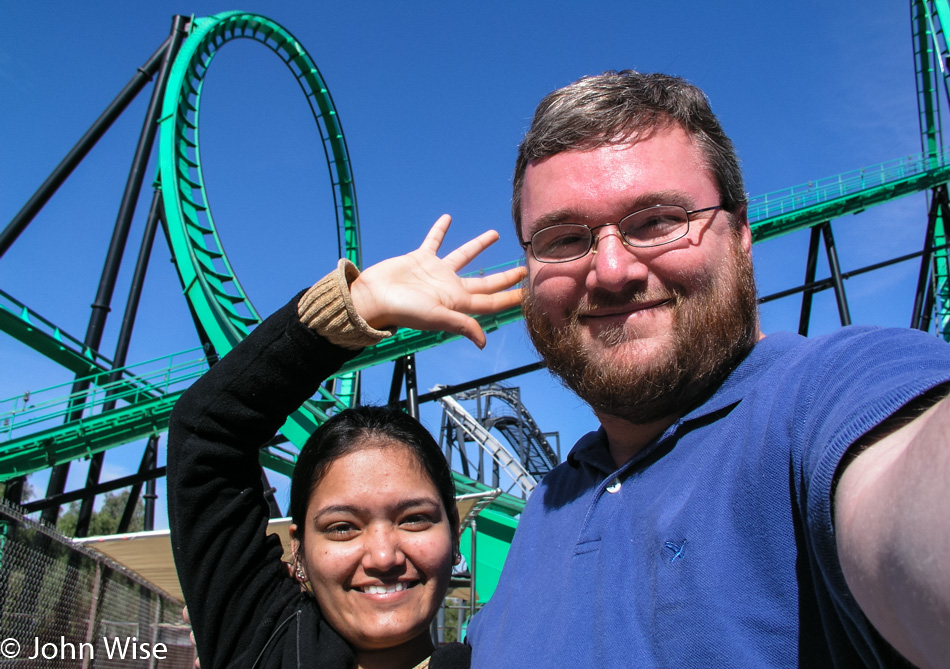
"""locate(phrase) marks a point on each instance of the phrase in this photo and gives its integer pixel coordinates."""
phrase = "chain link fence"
(64, 605)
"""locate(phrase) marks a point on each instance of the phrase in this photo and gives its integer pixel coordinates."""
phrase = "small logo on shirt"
(676, 549)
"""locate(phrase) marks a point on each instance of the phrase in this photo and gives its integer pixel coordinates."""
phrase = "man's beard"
(713, 329)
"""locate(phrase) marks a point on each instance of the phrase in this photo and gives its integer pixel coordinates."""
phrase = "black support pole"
(412, 392)
(843, 311)
(39, 199)
(810, 268)
(395, 387)
(122, 351)
(120, 234)
(149, 459)
(937, 205)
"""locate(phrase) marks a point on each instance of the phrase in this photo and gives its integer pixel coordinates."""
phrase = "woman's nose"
(383, 551)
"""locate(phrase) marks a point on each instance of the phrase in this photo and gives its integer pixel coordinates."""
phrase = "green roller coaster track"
(34, 436)
(210, 285)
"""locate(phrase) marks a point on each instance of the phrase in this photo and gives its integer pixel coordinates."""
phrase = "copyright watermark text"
(113, 648)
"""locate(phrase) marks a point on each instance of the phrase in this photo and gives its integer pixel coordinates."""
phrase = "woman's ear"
(298, 571)
(457, 539)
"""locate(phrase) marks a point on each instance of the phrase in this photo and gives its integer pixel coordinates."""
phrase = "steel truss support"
(102, 302)
(149, 462)
(924, 296)
(72, 496)
(121, 355)
(837, 280)
(405, 371)
(810, 287)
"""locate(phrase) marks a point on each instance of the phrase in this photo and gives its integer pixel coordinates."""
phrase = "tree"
(26, 495)
(106, 519)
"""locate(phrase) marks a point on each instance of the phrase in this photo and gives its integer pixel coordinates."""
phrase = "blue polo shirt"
(713, 546)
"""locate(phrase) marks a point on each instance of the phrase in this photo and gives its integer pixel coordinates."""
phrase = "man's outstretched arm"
(892, 518)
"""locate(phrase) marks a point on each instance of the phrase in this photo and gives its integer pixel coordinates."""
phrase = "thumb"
(466, 326)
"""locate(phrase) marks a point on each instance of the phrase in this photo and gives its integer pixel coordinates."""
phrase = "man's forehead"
(610, 180)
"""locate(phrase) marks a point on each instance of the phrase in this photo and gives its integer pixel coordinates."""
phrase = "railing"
(44, 408)
(812, 193)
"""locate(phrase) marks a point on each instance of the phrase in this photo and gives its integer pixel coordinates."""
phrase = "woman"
(374, 532)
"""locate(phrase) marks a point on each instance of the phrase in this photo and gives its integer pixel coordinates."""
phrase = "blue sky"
(433, 99)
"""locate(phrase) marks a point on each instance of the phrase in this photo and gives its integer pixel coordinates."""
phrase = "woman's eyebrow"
(356, 510)
(336, 508)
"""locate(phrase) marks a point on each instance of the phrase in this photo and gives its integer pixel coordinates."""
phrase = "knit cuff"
(327, 309)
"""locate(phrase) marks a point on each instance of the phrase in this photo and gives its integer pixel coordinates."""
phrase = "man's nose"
(613, 263)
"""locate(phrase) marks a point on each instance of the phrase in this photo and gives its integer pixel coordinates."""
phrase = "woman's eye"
(340, 531)
(417, 523)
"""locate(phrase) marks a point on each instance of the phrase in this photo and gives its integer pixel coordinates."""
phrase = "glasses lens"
(655, 225)
(560, 243)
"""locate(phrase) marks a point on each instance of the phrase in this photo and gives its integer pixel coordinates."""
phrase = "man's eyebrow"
(634, 203)
(555, 217)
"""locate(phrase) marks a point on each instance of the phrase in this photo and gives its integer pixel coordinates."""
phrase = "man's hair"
(613, 107)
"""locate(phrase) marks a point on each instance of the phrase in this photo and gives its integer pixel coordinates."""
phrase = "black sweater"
(246, 611)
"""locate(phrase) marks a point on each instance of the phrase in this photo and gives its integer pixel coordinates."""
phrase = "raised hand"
(422, 291)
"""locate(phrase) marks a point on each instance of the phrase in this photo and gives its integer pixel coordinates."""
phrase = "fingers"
(458, 323)
(463, 255)
(468, 251)
(494, 283)
(471, 330)
(489, 304)
(433, 241)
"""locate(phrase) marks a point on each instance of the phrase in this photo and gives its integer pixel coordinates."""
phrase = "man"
(748, 501)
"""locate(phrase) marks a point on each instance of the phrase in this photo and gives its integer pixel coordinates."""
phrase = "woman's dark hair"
(348, 431)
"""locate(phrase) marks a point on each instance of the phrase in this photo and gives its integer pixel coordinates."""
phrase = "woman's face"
(378, 547)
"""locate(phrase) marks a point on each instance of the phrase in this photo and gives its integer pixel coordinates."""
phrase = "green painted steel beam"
(98, 433)
(49, 340)
(770, 227)
(931, 61)
(84, 437)
(413, 341)
(58, 349)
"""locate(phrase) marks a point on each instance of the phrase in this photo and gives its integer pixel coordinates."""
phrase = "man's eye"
(564, 241)
(660, 223)
(567, 240)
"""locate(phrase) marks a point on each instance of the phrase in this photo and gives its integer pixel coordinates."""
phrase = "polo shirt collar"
(591, 449)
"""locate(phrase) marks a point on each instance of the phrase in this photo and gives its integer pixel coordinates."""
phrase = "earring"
(299, 572)
(457, 557)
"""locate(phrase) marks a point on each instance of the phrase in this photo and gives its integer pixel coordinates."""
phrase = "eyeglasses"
(652, 226)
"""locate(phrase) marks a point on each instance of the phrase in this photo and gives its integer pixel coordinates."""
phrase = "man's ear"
(744, 229)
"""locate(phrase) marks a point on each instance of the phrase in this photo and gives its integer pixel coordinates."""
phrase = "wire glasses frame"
(651, 226)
